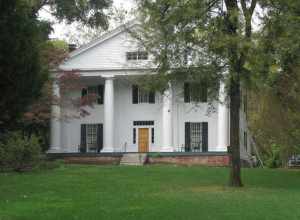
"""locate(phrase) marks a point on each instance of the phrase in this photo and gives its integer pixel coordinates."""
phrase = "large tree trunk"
(235, 67)
(235, 172)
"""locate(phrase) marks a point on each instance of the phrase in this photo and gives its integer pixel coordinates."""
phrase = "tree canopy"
(24, 63)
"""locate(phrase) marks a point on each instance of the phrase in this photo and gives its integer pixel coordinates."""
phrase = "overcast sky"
(61, 30)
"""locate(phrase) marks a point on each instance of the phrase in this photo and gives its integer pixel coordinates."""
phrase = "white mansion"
(128, 119)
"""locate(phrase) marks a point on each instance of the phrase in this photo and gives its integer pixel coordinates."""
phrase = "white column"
(167, 121)
(108, 126)
(223, 120)
(55, 140)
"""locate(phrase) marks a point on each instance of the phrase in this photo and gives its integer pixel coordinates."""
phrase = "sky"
(61, 30)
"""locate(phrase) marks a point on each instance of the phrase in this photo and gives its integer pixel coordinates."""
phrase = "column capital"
(112, 77)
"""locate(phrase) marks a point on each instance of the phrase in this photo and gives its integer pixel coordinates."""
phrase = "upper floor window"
(195, 92)
(142, 96)
(137, 55)
(97, 91)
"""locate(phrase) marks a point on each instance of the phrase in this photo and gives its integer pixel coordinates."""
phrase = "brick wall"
(206, 160)
(93, 160)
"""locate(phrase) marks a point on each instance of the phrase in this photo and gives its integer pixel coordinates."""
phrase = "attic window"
(137, 55)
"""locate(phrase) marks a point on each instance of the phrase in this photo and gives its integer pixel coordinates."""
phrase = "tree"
(23, 72)
(275, 118)
(215, 36)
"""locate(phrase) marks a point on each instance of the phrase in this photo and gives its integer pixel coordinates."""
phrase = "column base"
(54, 150)
(167, 149)
(220, 149)
(107, 150)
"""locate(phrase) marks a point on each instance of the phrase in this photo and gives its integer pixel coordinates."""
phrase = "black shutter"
(187, 94)
(152, 135)
(203, 90)
(187, 136)
(99, 137)
(151, 97)
(204, 136)
(100, 94)
(83, 92)
(83, 138)
(134, 136)
(135, 93)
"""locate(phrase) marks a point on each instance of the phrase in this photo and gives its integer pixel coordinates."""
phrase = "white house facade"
(126, 118)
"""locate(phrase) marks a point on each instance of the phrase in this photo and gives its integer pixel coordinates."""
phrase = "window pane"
(198, 92)
(196, 136)
(142, 55)
(137, 55)
(143, 96)
(131, 55)
(91, 136)
(92, 93)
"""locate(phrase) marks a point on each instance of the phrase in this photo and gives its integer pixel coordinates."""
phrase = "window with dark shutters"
(100, 98)
(151, 97)
(196, 136)
(135, 94)
(99, 137)
(187, 137)
(187, 92)
(152, 135)
(134, 136)
(142, 96)
(83, 92)
(195, 92)
(97, 91)
(204, 136)
(82, 148)
(203, 92)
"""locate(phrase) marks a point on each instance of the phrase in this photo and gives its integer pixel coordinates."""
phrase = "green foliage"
(89, 12)
(59, 44)
(45, 164)
(19, 152)
(273, 160)
(174, 32)
(22, 74)
(25, 54)
(274, 115)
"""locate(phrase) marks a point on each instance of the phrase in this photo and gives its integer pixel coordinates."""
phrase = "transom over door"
(143, 139)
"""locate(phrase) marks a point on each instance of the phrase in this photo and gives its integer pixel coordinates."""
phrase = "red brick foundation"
(205, 160)
(93, 160)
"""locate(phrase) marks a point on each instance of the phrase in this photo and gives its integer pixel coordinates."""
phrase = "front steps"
(136, 159)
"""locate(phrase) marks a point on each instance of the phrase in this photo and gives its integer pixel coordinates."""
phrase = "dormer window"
(137, 55)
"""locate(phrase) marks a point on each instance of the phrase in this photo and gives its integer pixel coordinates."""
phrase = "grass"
(149, 192)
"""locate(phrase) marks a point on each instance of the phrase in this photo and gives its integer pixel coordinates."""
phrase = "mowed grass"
(149, 192)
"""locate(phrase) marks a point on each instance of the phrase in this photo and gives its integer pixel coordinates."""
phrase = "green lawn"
(149, 192)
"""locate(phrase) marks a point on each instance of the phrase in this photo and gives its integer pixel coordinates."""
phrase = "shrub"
(274, 160)
(18, 152)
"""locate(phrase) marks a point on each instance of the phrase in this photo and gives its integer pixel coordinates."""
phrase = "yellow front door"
(143, 139)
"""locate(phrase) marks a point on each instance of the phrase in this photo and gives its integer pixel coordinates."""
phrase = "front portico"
(132, 120)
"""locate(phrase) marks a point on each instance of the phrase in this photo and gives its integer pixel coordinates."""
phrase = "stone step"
(136, 159)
